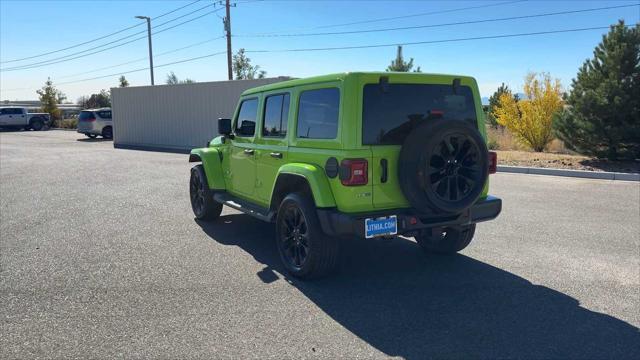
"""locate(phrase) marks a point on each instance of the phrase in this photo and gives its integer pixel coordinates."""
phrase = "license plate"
(381, 226)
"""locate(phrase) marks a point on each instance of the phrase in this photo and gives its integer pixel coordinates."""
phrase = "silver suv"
(94, 122)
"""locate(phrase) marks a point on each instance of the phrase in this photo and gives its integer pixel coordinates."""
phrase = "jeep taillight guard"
(353, 172)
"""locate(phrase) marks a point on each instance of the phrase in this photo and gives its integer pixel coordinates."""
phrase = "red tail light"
(354, 172)
(493, 162)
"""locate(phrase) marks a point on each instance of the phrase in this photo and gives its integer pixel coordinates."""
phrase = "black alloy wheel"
(305, 250)
(202, 202)
(443, 166)
(454, 168)
(196, 191)
(294, 237)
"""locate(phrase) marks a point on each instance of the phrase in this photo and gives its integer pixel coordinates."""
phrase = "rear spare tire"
(443, 166)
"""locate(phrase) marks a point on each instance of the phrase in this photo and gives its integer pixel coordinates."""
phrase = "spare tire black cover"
(443, 166)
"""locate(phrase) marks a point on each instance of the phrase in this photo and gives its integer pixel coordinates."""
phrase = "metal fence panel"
(175, 117)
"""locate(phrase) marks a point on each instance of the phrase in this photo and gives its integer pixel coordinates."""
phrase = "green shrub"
(66, 123)
(492, 144)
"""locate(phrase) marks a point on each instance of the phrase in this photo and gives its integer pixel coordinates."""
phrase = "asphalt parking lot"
(100, 256)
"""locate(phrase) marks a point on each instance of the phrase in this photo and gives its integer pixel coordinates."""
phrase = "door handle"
(385, 171)
(276, 155)
(248, 151)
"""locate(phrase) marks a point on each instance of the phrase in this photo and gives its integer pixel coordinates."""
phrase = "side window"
(15, 111)
(105, 114)
(246, 121)
(276, 113)
(318, 114)
(4, 111)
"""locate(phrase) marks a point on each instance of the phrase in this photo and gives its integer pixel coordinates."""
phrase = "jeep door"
(242, 164)
(272, 142)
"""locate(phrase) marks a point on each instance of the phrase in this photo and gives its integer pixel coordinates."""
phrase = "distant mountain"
(485, 99)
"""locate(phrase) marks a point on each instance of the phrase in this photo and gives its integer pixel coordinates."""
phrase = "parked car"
(357, 154)
(94, 122)
(20, 118)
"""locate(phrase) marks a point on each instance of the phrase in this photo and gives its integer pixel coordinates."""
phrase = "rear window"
(86, 115)
(390, 112)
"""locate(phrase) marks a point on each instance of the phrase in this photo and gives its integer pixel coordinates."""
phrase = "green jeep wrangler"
(358, 154)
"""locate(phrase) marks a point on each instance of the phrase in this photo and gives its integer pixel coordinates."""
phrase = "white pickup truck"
(19, 117)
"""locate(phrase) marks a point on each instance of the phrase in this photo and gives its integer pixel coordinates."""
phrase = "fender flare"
(315, 177)
(211, 159)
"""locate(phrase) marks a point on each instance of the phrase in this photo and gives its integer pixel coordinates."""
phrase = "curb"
(603, 175)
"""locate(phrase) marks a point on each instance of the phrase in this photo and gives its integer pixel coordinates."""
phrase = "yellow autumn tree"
(530, 119)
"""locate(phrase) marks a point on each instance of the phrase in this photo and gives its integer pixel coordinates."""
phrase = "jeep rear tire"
(304, 249)
(202, 203)
(443, 166)
(448, 240)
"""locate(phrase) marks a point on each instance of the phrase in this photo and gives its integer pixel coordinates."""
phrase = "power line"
(143, 58)
(367, 21)
(84, 53)
(442, 24)
(174, 10)
(431, 41)
(146, 68)
(98, 38)
(350, 48)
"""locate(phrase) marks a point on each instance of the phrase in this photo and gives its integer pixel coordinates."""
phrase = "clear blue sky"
(30, 28)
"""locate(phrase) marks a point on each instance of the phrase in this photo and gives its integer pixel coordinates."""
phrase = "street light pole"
(150, 47)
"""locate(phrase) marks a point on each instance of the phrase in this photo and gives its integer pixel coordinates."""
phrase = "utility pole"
(227, 28)
(150, 47)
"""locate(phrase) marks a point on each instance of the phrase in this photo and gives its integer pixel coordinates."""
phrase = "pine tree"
(50, 97)
(398, 64)
(494, 100)
(603, 116)
(172, 79)
(123, 82)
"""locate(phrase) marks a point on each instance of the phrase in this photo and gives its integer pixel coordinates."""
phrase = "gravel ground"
(565, 161)
(100, 257)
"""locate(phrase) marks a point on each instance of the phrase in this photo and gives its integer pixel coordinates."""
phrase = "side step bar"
(246, 207)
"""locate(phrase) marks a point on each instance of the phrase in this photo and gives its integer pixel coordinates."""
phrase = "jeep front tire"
(202, 203)
(447, 240)
(304, 249)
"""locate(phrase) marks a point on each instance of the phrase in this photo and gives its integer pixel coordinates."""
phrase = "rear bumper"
(89, 129)
(336, 223)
